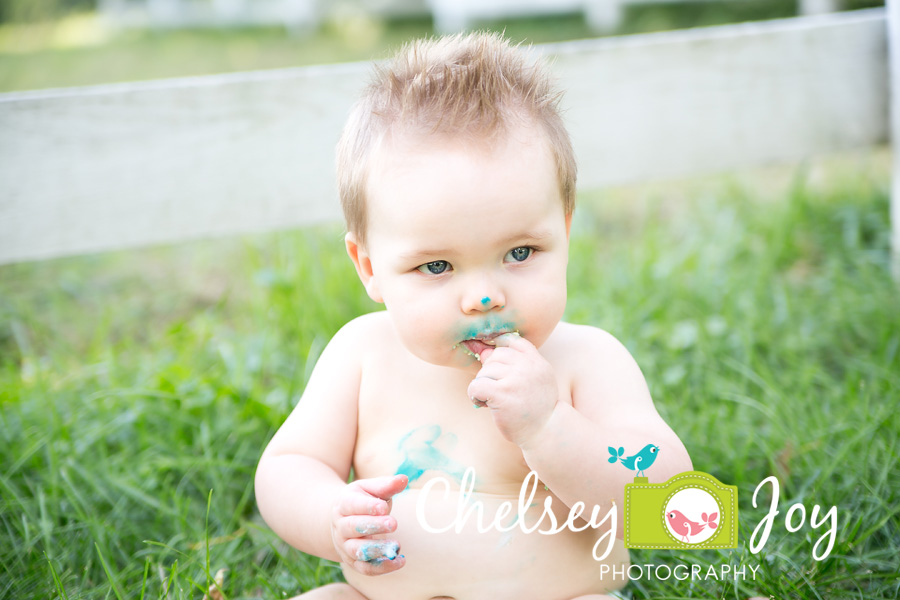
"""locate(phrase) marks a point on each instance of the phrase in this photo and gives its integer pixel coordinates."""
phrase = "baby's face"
(466, 241)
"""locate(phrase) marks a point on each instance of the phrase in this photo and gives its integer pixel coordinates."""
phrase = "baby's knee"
(332, 591)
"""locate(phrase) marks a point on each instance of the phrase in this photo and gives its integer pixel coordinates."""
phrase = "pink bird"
(684, 527)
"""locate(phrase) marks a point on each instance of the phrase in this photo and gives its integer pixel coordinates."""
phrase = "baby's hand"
(363, 510)
(518, 385)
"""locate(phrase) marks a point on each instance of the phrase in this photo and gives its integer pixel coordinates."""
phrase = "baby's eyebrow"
(423, 255)
(527, 237)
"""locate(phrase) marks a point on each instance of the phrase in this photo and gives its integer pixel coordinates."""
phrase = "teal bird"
(636, 462)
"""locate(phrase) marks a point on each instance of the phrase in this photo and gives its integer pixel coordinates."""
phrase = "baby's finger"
(373, 551)
(514, 341)
(375, 557)
(494, 371)
(383, 487)
(481, 390)
(503, 355)
(361, 503)
(359, 526)
(379, 566)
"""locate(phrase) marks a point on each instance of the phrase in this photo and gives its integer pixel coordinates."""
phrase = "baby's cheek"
(545, 311)
(421, 331)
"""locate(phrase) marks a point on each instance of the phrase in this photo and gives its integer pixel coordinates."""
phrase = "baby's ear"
(363, 265)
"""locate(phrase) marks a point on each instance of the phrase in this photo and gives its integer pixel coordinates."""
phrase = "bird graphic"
(636, 462)
(684, 527)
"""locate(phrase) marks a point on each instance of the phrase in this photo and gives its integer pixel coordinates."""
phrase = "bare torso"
(415, 418)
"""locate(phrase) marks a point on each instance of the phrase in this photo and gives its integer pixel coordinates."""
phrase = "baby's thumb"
(384, 487)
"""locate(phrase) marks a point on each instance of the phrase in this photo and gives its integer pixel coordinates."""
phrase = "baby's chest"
(424, 431)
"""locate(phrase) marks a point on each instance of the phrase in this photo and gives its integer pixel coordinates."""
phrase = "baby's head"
(473, 88)
(457, 181)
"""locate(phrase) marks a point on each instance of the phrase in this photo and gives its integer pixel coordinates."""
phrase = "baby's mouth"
(477, 346)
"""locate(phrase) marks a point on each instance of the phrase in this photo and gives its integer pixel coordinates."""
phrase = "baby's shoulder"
(600, 370)
(573, 342)
(365, 334)
(587, 352)
(373, 323)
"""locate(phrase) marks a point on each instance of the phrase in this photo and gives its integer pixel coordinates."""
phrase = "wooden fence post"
(893, 25)
(818, 7)
(604, 16)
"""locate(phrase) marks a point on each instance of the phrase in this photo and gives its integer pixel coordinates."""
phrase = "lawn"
(138, 388)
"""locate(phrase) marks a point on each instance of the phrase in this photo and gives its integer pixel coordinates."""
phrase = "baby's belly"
(481, 562)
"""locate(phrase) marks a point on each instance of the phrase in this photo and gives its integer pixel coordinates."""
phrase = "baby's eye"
(435, 267)
(518, 254)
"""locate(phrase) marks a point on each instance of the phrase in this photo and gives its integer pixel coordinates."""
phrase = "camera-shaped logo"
(692, 510)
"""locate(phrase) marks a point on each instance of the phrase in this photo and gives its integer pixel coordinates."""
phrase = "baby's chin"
(461, 360)
(453, 357)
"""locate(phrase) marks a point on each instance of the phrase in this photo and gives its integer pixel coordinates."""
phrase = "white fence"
(106, 167)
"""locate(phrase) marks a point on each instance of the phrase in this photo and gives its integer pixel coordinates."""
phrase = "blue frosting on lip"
(489, 325)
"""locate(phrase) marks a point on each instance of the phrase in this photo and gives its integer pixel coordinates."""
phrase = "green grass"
(78, 51)
(137, 389)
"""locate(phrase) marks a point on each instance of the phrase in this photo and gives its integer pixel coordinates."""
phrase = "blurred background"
(58, 43)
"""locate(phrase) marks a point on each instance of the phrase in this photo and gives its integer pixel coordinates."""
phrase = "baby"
(457, 180)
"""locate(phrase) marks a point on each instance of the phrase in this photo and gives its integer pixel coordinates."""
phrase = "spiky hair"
(473, 86)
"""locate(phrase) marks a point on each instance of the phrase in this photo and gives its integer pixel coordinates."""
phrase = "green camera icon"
(692, 510)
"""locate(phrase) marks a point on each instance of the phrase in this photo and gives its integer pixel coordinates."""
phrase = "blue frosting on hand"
(378, 551)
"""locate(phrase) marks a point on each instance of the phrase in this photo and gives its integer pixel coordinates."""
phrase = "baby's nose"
(482, 301)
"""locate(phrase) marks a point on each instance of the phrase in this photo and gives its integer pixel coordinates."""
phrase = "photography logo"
(692, 510)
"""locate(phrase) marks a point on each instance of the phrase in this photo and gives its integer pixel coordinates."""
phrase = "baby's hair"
(473, 86)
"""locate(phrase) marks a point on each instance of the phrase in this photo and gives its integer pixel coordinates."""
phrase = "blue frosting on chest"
(421, 455)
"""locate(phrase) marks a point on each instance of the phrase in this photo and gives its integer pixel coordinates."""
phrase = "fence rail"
(107, 167)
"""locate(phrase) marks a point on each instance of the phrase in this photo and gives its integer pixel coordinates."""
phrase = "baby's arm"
(567, 445)
(301, 480)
